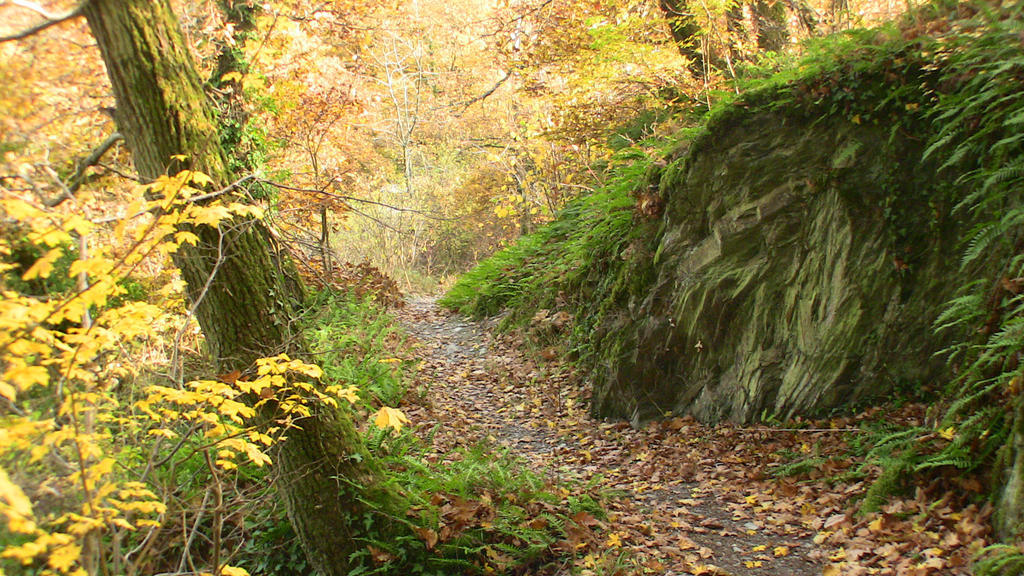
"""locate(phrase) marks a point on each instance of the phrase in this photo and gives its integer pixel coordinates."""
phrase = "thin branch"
(535, 10)
(186, 551)
(222, 191)
(191, 200)
(50, 19)
(465, 105)
(117, 172)
(78, 178)
(348, 199)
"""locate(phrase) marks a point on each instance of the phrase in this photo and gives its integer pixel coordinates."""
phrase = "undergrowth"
(473, 511)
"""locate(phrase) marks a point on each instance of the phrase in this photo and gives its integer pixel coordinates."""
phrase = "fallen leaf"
(388, 417)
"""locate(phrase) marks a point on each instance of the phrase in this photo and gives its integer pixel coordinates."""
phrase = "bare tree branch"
(49, 19)
(465, 105)
(78, 178)
(348, 199)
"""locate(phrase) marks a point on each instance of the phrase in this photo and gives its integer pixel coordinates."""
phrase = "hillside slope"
(798, 254)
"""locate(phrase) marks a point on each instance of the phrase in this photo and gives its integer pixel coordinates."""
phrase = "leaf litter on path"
(685, 498)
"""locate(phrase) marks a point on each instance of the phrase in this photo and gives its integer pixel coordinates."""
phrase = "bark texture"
(246, 292)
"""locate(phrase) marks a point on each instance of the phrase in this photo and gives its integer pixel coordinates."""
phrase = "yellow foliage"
(15, 506)
(344, 392)
(388, 417)
(43, 266)
(209, 215)
(23, 377)
(73, 378)
(63, 558)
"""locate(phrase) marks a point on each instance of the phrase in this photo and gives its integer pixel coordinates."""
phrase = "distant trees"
(752, 27)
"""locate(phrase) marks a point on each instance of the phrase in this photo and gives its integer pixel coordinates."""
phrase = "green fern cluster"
(1000, 560)
(978, 137)
(895, 450)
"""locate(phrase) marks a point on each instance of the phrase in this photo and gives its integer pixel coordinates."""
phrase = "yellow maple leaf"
(210, 215)
(948, 433)
(344, 392)
(781, 551)
(388, 417)
(62, 558)
(7, 391)
(614, 541)
(25, 377)
(256, 456)
(42, 267)
(233, 570)
(185, 237)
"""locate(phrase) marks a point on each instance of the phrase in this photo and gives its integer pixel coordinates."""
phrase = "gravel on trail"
(685, 498)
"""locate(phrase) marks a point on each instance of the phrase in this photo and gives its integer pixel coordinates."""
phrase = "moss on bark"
(246, 300)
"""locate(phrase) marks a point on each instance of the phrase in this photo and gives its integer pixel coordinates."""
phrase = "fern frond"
(999, 560)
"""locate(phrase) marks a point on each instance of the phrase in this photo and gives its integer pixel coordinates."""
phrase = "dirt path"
(688, 499)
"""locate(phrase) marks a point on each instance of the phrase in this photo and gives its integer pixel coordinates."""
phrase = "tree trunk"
(757, 27)
(1009, 517)
(686, 33)
(772, 29)
(246, 300)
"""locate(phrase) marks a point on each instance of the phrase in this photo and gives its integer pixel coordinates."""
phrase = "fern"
(999, 560)
(893, 480)
(1007, 174)
(965, 309)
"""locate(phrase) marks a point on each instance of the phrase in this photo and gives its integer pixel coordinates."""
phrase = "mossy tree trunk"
(1009, 518)
(246, 292)
(686, 33)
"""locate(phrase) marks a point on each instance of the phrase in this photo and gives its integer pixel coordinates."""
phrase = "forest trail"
(687, 499)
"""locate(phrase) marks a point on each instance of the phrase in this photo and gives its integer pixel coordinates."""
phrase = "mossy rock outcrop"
(800, 268)
(850, 228)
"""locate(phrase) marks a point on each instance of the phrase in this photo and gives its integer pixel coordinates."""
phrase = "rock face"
(800, 268)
